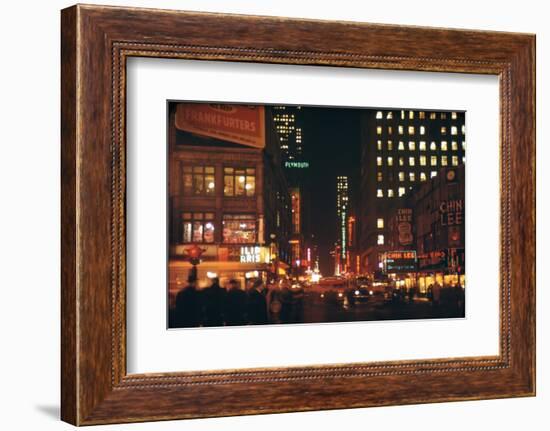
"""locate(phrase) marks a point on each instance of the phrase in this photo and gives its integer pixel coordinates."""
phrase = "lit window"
(463, 159)
(422, 160)
(454, 130)
(402, 114)
(380, 223)
(380, 240)
(412, 176)
(390, 130)
(389, 116)
(390, 145)
(412, 145)
(390, 193)
(453, 115)
(422, 130)
(433, 174)
(444, 161)
(239, 181)
(422, 115)
(378, 130)
(422, 145)
(401, 146)
(379, 193)
(454, 145)
(379, 145)
(433, 115)
(401, 161)
(239, 228)
(411, 130)
(423, 176)
(444, 146)
(199, 180)
(379, 115)
(433, 146)
(455, 160)
(433, 161)
(463, 129)
(198, 227)
(400, 129)
(443, 115)
(411, 115)
(443, 130)
(379, 161)
(411, 161)
(401, 191)
(379, 176)
(464, 145)
(390, 161)
(401, 176)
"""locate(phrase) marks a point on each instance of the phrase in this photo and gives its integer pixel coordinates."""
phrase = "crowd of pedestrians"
(215, 305)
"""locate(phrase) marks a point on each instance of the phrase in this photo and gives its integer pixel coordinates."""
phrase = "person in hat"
(188, 306)
(235, 305)
(257, 306)
(213, 304)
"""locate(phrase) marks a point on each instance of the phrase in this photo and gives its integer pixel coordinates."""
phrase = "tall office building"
(343, 213)
(401, 149)
(288, 124)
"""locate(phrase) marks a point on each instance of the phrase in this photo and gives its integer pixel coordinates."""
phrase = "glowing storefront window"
(239, 228)
(198, 227)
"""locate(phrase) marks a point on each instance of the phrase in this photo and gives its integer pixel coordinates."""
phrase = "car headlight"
(371, 292)
(340, 294)
(357, 293)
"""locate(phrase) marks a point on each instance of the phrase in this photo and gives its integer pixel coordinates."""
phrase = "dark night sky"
(331, 139)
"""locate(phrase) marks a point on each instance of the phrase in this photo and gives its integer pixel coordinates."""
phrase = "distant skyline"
(331, 140)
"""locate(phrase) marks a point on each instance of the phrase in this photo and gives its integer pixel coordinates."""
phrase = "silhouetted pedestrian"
(257, 306)
(235, 305)
(188, 306)
(436, 294)
(213, 299)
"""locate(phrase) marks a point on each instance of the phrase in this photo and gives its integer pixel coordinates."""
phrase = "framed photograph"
(265, 215)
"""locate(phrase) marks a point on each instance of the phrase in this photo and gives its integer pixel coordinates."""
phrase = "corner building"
(400, 150)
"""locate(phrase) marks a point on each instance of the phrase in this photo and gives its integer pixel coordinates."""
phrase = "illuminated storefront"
(227, 194)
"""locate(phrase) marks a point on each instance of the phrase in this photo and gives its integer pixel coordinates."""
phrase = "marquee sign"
(399, 261)
(255, 254)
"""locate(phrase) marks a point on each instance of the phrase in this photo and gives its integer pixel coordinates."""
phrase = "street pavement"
(317, 309)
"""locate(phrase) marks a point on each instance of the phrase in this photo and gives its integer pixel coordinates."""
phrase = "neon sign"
(298, 165)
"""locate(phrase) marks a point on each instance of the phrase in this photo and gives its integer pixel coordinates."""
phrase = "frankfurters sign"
(241, 124)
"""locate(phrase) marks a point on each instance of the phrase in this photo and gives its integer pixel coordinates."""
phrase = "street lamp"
(194, 254)
(273, 254)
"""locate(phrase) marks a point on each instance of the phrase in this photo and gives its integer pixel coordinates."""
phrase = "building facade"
(288, 123)
(343, 213)
(427, 233)
(401, 150)
(232, 201)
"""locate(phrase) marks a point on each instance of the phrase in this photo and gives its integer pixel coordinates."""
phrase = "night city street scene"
(305, 214)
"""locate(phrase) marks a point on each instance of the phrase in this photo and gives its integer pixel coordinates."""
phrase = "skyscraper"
(401, 149)
(342, 211)
(288, 124)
